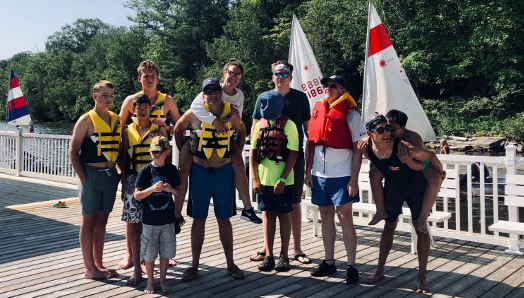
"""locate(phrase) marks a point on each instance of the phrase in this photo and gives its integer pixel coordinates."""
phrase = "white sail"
(386, 85)
(306, 73)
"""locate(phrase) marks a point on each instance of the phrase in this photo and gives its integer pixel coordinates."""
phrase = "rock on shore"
(474, 144)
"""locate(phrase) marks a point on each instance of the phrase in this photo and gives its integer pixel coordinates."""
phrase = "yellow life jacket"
(157, 110)
(138, 149)
(205, 140)
(107, 138)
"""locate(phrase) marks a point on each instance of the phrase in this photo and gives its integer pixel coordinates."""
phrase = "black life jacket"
(272, 141)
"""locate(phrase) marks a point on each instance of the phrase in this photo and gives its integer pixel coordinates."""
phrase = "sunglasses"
(212, 91)
(234, 74)
(381, 130)
(282, 74)
(332, 86)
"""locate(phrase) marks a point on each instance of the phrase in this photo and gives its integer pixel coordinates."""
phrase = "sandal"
(60, 204)
(303, 256)
(256, 259)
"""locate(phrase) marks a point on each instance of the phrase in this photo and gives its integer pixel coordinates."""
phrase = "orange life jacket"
(272, 141)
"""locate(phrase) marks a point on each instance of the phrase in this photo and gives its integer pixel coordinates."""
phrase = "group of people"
(134, 147)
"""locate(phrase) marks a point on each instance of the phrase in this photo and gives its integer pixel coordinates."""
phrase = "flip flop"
(302, 256)
(60, 204)
(262, 254)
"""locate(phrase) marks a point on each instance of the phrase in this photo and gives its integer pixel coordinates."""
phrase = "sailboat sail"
(17, 112)
(386, 85)
(306, 73)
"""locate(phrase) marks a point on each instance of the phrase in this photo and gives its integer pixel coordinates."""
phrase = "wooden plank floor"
(40, 257)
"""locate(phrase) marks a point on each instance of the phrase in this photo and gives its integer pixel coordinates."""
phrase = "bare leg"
(269, 223)
(198, 230)
(86, 245)
(386, 241)
(256, 257)
(99, 237)
(375, 180)
(285, 233)
(163, 273)
(239, 169)
(296, 230)
(186, 161)
(433, 180)
(345, 216)
(150, 288)
(225, 230)
(327, 214)
(423, 246)
(136, 232)
(128, 258)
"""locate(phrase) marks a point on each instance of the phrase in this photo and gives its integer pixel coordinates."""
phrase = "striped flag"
(17, 112)
(386, 85)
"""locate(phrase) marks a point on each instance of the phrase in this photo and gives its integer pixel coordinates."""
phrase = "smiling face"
(332, 90)
(232, 76)
(397, 130)
(212, 94)
(279, 80)
(377, 138)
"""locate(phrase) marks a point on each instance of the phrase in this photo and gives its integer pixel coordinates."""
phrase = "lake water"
(43, 128)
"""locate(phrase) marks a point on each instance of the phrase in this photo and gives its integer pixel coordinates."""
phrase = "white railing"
(36, 155)
(477, 206)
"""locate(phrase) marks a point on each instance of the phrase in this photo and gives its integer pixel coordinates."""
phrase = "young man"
(156, 184)
(273, 154)
(397, 120)
(163, 111)
(211, 175)
(296, 107)
(135, 155)
(93, 152)
(332, 170)
(403, 184)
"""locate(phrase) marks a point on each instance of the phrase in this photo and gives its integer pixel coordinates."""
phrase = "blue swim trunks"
(331, 191)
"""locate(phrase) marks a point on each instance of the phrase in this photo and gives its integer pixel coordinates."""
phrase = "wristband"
(282, 179)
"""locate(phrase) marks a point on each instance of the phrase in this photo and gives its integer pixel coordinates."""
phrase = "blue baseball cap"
(271, 104)
(337, 79)
(210, 81)
(373, 120)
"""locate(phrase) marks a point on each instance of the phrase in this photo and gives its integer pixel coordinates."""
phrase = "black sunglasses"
(332, 86)
(212, 91)
(381, 130)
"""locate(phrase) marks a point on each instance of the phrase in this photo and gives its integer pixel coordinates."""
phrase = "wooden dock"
(40, 257)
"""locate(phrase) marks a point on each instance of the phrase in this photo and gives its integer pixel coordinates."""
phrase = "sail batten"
(386, 85)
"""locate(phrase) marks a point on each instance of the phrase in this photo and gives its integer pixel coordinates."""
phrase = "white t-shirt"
(332, 162)
(200, 111)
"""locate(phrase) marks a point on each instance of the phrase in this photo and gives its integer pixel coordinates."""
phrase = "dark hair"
(233, 62)
(140, 99)
(398, 117)
(282, 62)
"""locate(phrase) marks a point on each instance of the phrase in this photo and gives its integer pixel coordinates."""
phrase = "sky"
(26, 24)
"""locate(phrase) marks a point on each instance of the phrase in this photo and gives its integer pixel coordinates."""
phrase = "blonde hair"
(147, 64)
(102, 83)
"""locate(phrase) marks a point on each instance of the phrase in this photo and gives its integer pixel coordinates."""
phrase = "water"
(43, 128)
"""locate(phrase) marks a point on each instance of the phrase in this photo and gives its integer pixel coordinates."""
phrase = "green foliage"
(513, 127)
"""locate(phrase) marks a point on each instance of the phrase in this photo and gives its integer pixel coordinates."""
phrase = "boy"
(273, 155)
(136, 140)
(156, 184)
(93, 152)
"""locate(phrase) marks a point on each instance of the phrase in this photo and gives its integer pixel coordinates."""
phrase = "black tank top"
(398, 173)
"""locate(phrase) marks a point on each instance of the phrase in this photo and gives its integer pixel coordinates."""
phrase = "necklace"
(381, 158)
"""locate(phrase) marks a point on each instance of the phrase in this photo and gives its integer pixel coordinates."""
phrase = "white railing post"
(511, 152)
(18, 162)
(513, 212)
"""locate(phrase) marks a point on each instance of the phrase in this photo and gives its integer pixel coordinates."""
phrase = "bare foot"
(136, 278)
(143, 267)
(150, 289)
(376, 277)
(378, 217)
(126, 262)
(165, 288)
(171, 263)
(97, 274)
(422, 286)
(112, 273)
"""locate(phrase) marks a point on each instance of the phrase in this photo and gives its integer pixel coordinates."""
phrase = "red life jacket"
(272, 141)
(328, 125)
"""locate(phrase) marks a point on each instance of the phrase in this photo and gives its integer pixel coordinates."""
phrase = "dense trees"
(464, 57)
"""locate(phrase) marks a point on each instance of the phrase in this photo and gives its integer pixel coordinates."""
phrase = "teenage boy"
(93, 152)
(296, 107)
(397, 120)
(403, 184)
(332, 170)
(273, 154)
(156, 184)
(163, 111)
(211, 175)
(136, 139)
